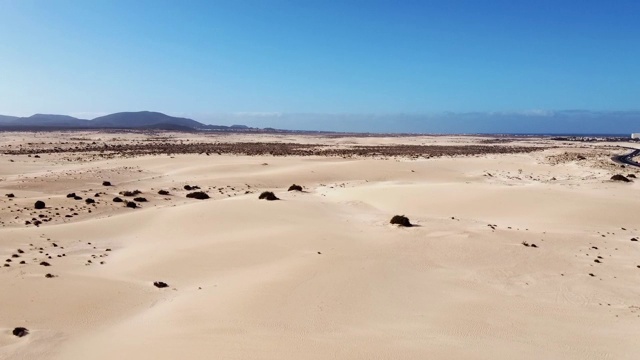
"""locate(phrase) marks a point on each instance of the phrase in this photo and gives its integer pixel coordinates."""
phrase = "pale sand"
(246, 280)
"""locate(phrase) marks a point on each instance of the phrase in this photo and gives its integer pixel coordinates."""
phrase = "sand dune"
(321, 274)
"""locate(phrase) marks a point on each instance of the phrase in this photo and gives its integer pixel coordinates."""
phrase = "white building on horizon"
(635, 136)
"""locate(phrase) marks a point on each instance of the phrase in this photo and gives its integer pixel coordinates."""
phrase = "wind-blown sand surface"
(320, 274)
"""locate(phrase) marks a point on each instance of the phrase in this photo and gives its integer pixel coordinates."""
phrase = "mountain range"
(121, 120)
(527, 122)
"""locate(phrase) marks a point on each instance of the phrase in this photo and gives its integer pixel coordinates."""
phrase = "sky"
(201, 58)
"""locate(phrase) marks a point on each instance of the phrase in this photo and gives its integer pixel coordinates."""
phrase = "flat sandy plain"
(320, 274)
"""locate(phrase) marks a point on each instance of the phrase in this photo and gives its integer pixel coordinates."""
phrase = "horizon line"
(529, 112)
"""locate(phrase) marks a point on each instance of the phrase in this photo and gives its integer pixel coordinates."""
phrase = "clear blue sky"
(203, 57)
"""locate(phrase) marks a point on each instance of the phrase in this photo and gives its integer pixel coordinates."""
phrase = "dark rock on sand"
(200, 195)
(10, 195)
(71, 195)
(44, 263)
(401, 220)
(163, 192)
(160, 284)
(619, 177)
(131, 204)
(295, 187)
(140, 199)
(268, 195)
(90, 201)
(106, 183)
(117, 199)
(130, 193)
(39, 205)
(20, 332)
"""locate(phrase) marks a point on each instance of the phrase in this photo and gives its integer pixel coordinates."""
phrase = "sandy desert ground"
(320, 274)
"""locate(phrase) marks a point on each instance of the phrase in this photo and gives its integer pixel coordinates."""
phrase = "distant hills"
(121, 120)
(5, 118)
(142, 119)
(526, 122)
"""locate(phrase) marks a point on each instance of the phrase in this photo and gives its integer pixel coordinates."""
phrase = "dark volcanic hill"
(142, 119)
(122, 120)
(43, 120)
(6, 119)
(51, 120)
